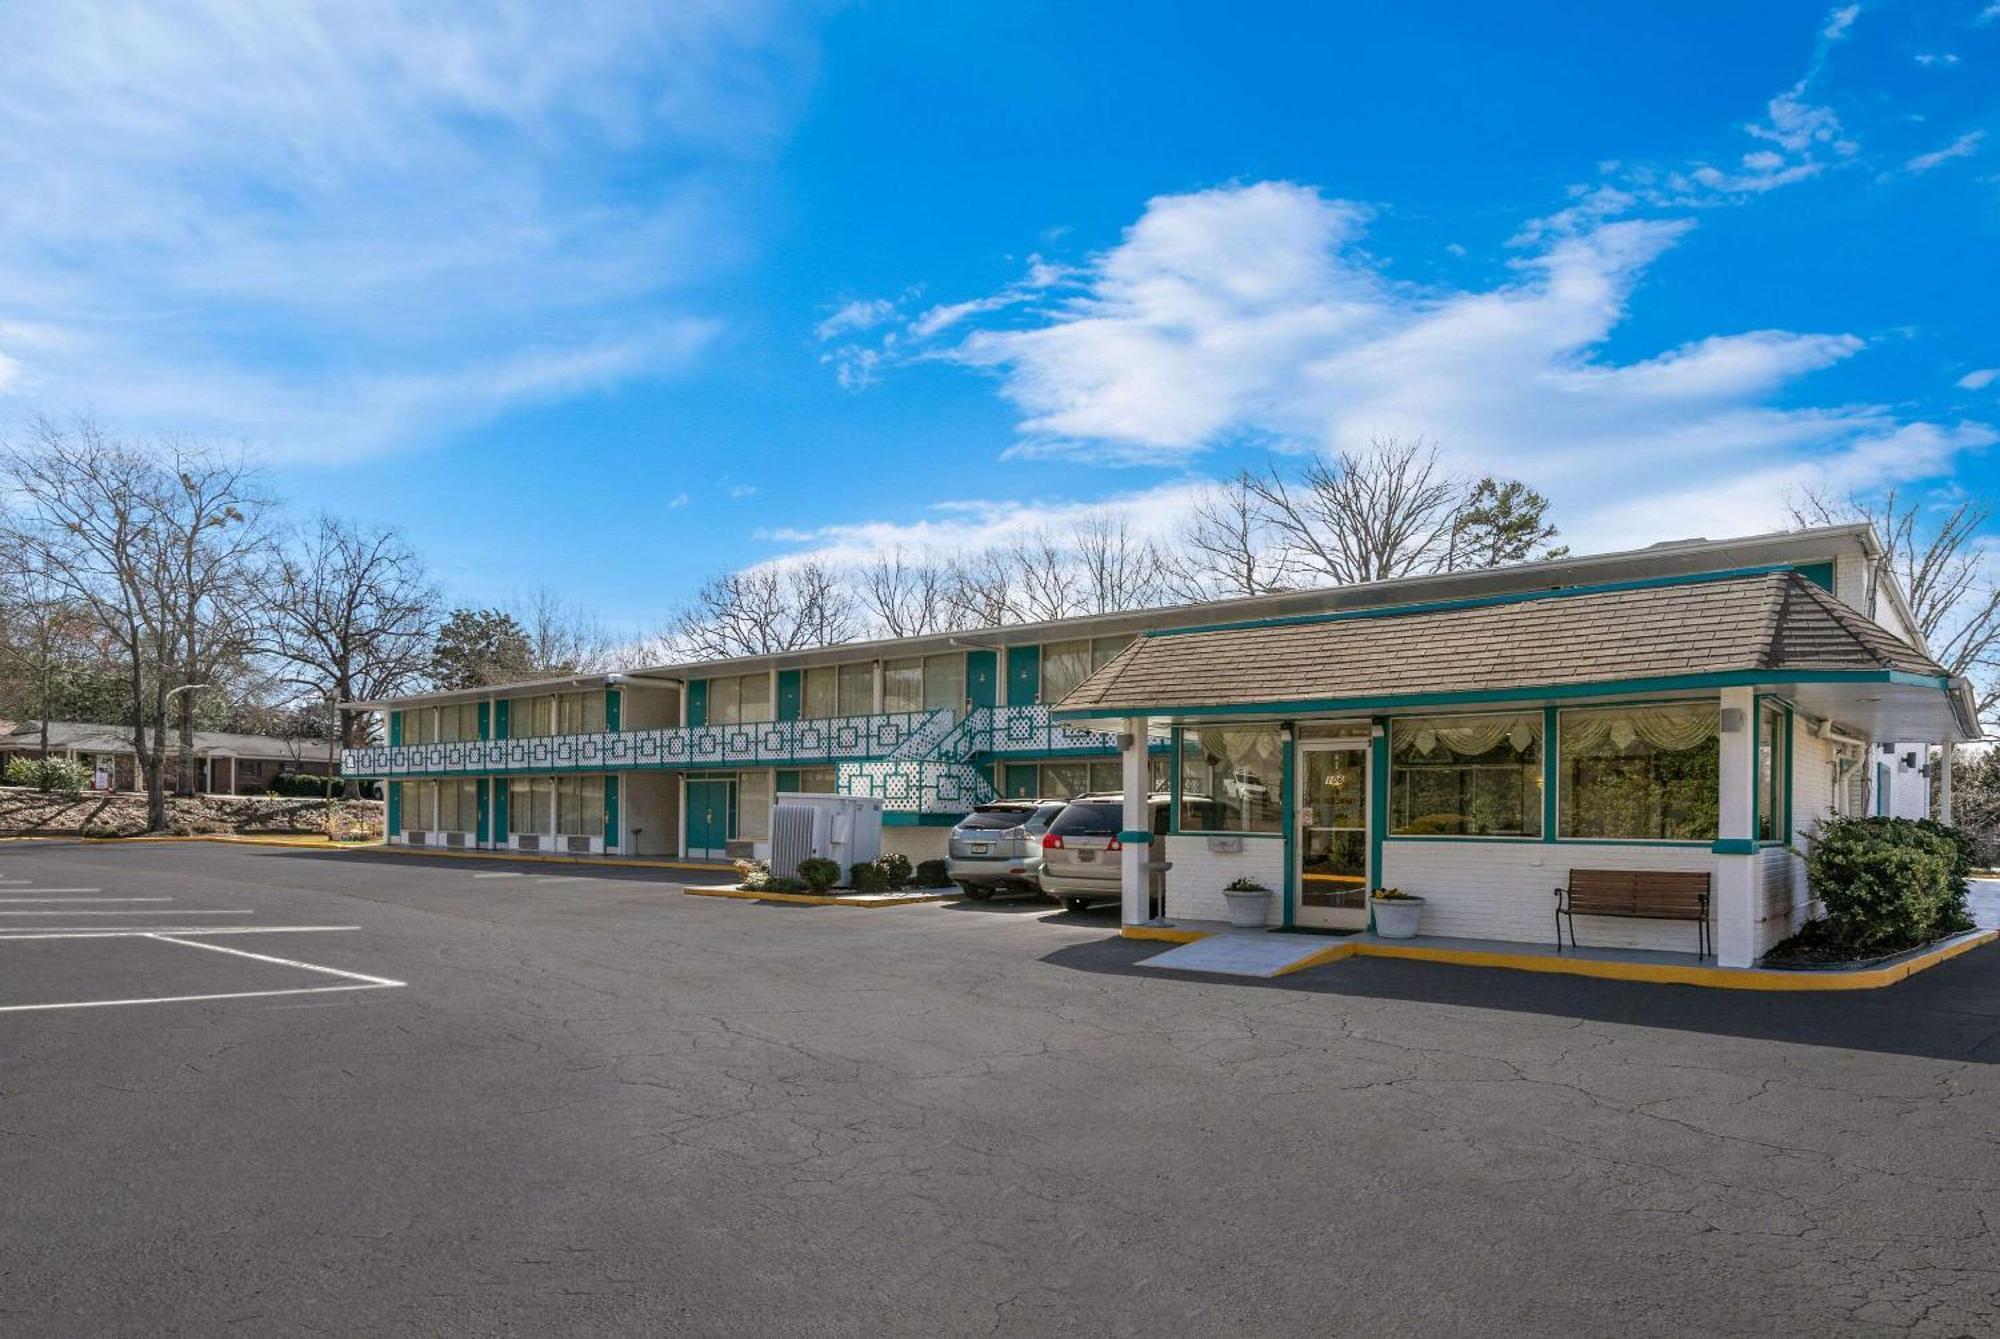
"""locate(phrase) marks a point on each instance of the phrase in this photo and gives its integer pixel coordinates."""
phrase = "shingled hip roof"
(1774, 624)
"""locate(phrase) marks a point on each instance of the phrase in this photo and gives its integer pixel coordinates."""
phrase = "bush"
(48, 775)
(868, 877)
(1889, 883)
(755, 876)
(896, 871)
(299, 785)
(819, 875)
(932, 874)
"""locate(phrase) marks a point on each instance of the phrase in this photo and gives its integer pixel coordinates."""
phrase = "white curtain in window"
(1470, 735)
(1671, 728)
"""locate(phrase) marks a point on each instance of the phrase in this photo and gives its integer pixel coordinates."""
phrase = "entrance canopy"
(1772, 629)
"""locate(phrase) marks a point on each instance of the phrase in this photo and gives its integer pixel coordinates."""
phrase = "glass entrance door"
(1333, 835)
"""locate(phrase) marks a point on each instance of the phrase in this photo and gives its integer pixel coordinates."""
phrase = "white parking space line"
(282, 962)
(190, 999)
(11, 901)
(148, 931)
(184, 911)
(499, 876)
(69, 890)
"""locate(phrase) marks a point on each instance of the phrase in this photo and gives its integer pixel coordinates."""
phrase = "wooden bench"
(1635, 894)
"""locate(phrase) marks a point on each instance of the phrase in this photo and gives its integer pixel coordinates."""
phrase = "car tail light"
(1114, 845)
(1013, 834)
(1052, 841)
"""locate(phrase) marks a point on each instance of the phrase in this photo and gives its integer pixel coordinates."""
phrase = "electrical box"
(846, 829)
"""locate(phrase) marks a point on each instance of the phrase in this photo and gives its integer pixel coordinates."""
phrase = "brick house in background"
(226, 763)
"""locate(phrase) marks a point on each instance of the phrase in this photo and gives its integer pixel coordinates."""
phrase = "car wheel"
(1076, 904)
(977, 892)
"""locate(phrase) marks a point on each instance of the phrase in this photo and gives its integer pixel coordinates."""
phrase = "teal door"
(981, 675)
(708, 804)
(1024, 675)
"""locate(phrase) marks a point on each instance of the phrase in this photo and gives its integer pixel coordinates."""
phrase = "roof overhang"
(526, 688)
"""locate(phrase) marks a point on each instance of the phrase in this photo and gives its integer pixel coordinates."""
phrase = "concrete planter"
(1397, 917)
(1248, 911)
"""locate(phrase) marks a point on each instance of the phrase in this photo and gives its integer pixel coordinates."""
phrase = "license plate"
(981, 848)
(1086, 857)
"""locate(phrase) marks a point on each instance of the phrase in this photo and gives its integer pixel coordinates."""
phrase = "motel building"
(1471, 737)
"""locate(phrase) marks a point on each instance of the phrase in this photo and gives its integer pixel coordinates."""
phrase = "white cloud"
(741, 490)
(679, 500)
(255, 213)
(1963, 147)
(1252, 314)
(860, 314)
(1839, 21)
(1979, 379)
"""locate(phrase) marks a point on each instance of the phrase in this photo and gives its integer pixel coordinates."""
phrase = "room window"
(1640, 773)
(530, 803)
(1466, 776)
(819, 696)
(459, 721)
(1231, 779)
(457, 806)
(419, 805)
(736, 699)
(944, 682)
(580, 805)
(1770, 773)
(419, 726)
(903, 684)
(580, 713)
(857, 689)
(531, 717)
(819, 781)
(753, 806)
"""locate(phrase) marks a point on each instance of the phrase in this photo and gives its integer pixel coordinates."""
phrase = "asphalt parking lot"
(490, 1098)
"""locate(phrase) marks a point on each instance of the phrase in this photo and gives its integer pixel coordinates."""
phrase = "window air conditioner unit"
(417, 838)
(577, 845)
(527, 841)
(454, 839)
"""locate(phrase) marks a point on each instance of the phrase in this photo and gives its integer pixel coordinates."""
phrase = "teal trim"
(610, 812)
(697, 702)
(393, 823)
(482, 792)
(1733, 846)
(500, 718)
(486, 720)
(904, 819)
(1608, 688)
(499, 836)
(395, 729)
(614, 702)
(1378, 805)
(1288, 815)
(1786, 830)
(1881, 790)
(1024, 675)
(1135, 837)
(1475, 602)
(1551, 773)
(982, 678)
(790, 688)
(1820, 574)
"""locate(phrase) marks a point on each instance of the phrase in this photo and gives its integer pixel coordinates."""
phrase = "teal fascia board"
(1135, 837)
(1551, 773)
(1820, 574)
(1474, 602)
(1734, 846)
(903, 819)
(1608, 688)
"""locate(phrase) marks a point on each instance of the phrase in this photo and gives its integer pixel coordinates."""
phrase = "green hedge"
(1890, 883)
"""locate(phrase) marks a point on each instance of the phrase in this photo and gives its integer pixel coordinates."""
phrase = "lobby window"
(1231, 779)
(1770, 773)
(1466, 776)
(1647, 773)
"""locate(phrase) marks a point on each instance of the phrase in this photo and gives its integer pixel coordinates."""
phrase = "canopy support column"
(1136, 836)
(1944, 783)
(1734, 892)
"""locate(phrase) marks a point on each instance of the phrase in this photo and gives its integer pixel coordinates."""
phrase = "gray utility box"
(846, 829)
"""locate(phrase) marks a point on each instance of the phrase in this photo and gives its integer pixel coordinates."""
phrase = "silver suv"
(999, 846)
(1081, 853)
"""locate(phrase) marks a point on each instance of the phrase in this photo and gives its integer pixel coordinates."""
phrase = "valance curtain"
(1672, 728)
(1468, 736)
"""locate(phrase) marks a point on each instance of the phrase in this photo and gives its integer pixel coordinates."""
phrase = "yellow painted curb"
(1659, 973)
(811, 899)
(601, 862)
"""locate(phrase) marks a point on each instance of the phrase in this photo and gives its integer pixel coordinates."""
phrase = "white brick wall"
(1505, 890)
(1195, 884)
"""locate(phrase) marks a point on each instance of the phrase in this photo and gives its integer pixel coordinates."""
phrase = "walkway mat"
(1251, 954)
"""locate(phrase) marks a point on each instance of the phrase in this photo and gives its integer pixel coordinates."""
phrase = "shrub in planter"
(819, 875)
(1888, 883)
(896, 871)
(755, 876)
(933, 874)
(868, 877)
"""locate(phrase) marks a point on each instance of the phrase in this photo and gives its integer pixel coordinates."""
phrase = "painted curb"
(1660, 973)
(814, 899)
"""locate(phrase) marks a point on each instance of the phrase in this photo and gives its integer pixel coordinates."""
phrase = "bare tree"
(1228, 547)
(764, 609)
(1043, 582)
(983, 590)
(1946, 575)
(1119, 569)
(353, 615)
(1368, 516)
(910, 597)
(563, 638)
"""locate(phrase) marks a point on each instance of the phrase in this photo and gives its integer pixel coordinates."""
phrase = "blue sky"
(609, 299)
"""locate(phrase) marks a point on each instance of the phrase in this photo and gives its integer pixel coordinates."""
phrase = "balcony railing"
(939, 738)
